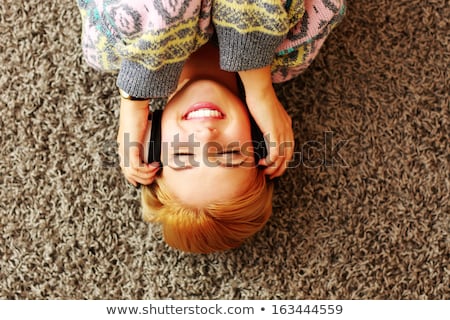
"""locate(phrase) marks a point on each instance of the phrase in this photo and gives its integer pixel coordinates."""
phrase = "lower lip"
(203, 105)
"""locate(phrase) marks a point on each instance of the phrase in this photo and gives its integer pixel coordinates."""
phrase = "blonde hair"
(216, 227)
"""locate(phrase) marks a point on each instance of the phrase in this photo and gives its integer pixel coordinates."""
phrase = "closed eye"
(182, 160)
(231, 158)
(230, 152)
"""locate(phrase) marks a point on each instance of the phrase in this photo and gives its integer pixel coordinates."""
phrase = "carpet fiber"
(363, 213)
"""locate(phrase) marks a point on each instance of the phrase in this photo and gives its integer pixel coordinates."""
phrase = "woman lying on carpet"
(204, 174)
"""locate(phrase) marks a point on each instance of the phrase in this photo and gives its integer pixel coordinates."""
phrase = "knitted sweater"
(147, 42)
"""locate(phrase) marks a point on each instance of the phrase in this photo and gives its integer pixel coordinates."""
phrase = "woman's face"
(206, 149)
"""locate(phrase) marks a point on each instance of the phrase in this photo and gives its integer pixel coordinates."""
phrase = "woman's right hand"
(130, 138)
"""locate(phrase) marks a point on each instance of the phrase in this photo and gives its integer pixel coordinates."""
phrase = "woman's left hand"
(272, 119)
(276, 126)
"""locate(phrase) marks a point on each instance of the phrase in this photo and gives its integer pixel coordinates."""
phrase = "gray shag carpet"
(363, 215)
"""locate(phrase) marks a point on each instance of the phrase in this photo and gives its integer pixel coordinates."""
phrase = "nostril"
(206, 132)
(206, 129)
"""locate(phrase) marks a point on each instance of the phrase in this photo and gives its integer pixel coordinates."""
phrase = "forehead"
(204, 185)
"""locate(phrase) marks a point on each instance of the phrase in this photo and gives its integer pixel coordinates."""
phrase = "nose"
(206, 133)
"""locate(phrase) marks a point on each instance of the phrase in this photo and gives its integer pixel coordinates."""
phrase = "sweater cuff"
(245, 51)
(140, 82)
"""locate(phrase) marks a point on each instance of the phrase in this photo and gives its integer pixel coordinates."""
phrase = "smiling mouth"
(204, 111)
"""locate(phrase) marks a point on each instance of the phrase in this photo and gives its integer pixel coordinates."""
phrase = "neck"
(204, 64)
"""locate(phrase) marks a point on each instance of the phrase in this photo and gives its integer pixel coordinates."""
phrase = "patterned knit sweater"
(147, 42)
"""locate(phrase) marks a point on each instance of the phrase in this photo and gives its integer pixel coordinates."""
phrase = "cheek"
(241, 131)
(169, 130)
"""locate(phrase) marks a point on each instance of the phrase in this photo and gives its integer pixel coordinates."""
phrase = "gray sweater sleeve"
(239, 52)
(249, 33)
(140, 82)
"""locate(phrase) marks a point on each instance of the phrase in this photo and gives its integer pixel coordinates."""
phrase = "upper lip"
(203, 105)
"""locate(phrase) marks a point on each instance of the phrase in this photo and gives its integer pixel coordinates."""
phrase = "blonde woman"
(207, 183)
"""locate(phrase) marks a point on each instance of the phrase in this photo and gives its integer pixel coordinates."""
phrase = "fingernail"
(154, 164)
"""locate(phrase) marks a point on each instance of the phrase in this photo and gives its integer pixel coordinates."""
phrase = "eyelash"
(191, 154)
(231, 152)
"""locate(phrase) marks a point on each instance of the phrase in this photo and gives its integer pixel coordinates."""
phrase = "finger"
(286, 148)
(279, 147)
(143, 180)
(137, 164)
(155, 165)
(272, 157)
(146, 168)
(276, 169)
(280, 170)
(138, 173)
(266, 162)
(132, 181)
(137, 180)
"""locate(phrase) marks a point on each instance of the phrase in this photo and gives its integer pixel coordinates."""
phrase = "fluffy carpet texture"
(363, 214)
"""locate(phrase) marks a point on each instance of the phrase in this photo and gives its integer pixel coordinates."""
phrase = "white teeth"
(204, 113)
